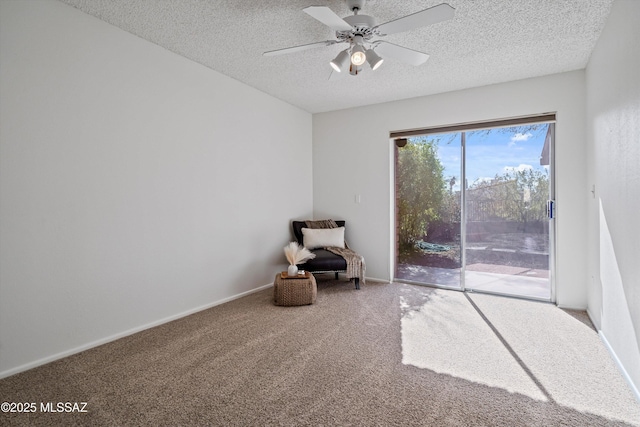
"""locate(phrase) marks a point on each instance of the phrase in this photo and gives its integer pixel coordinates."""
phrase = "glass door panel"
(507, 233)
(428, 197)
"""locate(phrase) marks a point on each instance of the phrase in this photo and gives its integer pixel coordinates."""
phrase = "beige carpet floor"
(387, 355)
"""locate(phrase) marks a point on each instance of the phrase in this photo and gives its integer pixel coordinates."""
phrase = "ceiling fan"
(359, 31)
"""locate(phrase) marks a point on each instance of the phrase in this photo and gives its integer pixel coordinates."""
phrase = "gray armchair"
(325, 261)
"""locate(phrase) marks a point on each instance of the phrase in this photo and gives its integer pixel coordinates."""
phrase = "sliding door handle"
(551, 205)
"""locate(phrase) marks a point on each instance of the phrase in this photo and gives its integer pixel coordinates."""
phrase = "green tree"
(518, 195)
(531, 193)
(421, 188)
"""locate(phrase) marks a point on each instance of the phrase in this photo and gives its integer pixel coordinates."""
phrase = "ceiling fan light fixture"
(358, 30)
(374, 59)
(340, 62)
(358, 55)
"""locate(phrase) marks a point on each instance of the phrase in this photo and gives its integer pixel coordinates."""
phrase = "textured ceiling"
(488, 41)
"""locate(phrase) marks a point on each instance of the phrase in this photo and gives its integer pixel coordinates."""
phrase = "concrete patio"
(499, 279)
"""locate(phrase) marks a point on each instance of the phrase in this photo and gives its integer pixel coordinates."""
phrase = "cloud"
(519, 137)
(521, 167)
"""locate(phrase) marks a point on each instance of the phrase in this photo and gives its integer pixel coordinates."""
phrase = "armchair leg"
(357, 283)
(336, 275)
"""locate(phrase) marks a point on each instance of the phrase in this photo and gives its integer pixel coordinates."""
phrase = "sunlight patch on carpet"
(566, 356)
(441, 331)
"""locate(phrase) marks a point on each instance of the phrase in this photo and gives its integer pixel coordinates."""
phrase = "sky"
(491, 152)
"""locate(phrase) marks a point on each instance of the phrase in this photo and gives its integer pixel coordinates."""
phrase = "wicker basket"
(294, 291)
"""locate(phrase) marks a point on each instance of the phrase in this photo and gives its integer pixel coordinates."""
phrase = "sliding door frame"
(463, 209)
(549, 118)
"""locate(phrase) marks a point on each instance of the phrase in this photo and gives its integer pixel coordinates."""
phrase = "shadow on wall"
(614, 299)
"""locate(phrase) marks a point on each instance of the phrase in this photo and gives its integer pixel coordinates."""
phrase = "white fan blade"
(393, 51)
(434, 14)
(299, 48)
(327, 17)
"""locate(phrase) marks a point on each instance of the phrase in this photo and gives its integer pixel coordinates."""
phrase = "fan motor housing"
(362, 26)
(364, 21)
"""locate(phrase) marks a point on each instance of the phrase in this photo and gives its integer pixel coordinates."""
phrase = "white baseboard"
(613, 354)
(374, 279)
(623, 371)
(572, 307)
(117, 336)
(593, 322)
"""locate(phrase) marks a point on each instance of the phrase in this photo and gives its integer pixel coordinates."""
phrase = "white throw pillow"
(313, 238)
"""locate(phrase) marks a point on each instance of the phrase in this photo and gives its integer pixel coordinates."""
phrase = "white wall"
(136, 185)
(351, 155)
(613, 126)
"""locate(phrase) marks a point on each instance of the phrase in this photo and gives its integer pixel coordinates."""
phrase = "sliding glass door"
(428, 201)
(474, 210)
(507, 232)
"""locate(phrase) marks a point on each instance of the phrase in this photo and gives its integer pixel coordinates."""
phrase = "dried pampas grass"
(296, 254)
